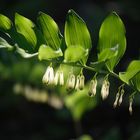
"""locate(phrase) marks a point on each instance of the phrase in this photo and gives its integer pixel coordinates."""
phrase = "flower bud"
(121, 97)
(116, 100)
(130, 106)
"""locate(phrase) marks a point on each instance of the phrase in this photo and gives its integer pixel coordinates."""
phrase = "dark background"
(21, 119)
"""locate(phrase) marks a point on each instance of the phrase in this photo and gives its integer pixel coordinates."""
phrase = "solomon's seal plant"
(71, 51)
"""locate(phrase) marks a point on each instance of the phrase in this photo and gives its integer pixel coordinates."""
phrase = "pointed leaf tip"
(5, 23)
(25, 27)
(112, 33)
(50, 30)
(76, 31)
(69, 11)
(39, 13)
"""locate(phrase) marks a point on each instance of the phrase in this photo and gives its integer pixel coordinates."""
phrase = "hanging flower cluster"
(119, 96)
(50, 78)
(78, 83)
(75, 82)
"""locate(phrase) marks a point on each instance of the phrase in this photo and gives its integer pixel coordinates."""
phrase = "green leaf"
(5, 23)
(135, 81)
(132, 70)
(107, 54)
(46, 52)
(5, 44)
(112, 33)
(76, 32)
(26, 27)
(74, 53)
(50, 30)
(97, 65)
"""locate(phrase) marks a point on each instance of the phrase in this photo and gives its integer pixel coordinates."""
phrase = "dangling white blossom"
(71, 81)
(82, 82)
(92, 87)
(51, 78)
(116, 100)
(121, 97)
(77, 82)
(61, 78)
(48, 77)
(130, 106)
(105, 89)
(56, 78)
(45, 78)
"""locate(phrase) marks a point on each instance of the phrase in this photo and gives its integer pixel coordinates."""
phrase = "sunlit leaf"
(112, 33)
(97, 65)
(46, 52)
(135, 81)
(50, 30)
(107, 54)
(132, 70)
(74, 53)
(76, 32)
(5, 23)
(25, 27)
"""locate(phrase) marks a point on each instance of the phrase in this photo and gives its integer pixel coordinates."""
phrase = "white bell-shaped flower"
(105, 89)
(56, 78)
(45, 78)
(82, 82)
(51, 76)
(71, 81)
(77, 82)
(116, 100)
(121, 97)
(92, 87)
(61, 80)
(130, 106)
(48, 77)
